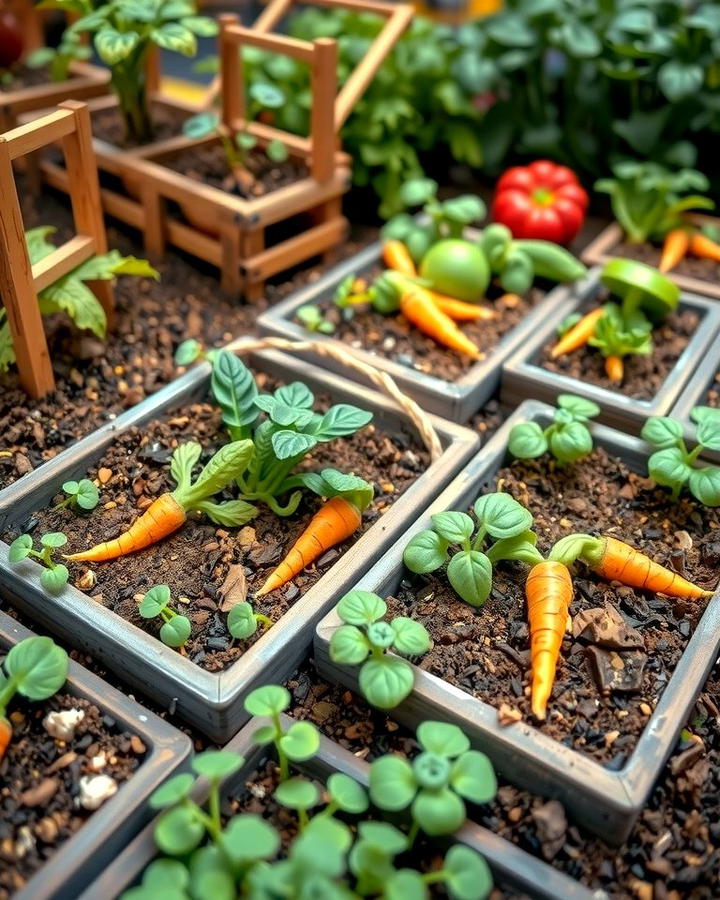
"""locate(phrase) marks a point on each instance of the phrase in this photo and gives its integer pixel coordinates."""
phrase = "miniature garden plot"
(78, 762)
(631, 655)
(628, 341)
(214, 587)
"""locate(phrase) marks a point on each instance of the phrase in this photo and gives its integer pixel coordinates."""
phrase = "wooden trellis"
(20, 281)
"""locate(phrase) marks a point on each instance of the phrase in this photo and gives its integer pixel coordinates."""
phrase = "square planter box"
(511, 866)
(457, 400)
(85, 855)
(524, 378)
(209, 701)
(601, 250)
(605, 801)
(695, 392)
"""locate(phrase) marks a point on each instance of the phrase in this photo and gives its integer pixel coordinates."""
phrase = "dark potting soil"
(208, 165)
(713, 394)
(690, 266)
(394, 338)
(40, 778)
(644, 375)
(25, 77)
(672, 852)
(196, 561)
(108, 124)
(488, 419)
(485, 651)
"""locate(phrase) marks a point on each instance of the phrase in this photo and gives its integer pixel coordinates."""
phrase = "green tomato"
(457, 268)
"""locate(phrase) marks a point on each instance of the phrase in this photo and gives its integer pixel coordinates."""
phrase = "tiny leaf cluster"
(81, 494)
(567, 438)
(55, 575)
(175, 629)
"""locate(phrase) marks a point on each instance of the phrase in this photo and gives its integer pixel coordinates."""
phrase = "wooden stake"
(322, 126)
(231, 75)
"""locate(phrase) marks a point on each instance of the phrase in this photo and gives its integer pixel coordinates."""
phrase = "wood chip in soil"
(194, 562)
(485, 651)
(40, 777)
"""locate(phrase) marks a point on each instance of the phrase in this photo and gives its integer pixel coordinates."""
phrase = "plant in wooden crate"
(124, 33)
(60, 59)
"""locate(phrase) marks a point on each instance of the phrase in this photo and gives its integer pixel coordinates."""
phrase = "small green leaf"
(347, 794)
(405, 884)
(188, 352)
(178, 831)
(172, 791)
(287, 444)
(198, 127)
(473, 777)
(571, 442)
(277, 151)
(267, 701)
(438, 812)
(241, 621)
(410, 637)
(708, 434)
(300, 742)
(113, 47)
(234, 390)
(361, 608)
(20, 548)
(522, 547)
(470, 574)
(217, 764)
(166, 874)
(267, 95)
(704, 484)
(662, 432)
(380, 635)
(210, 876)
(176, 632)
(442, 739)
(580, 408)
(154, 601)
(86, 495)
(455, 527)
(202, 26)
(297, 793)
(527, 441)
(38, 666)
(247, 838)
(295, 394)
(341, 420)
(468, 876)
(264, 735)
(426, 552)
(669, 467)
(55, 579)
(386, 681)
(700, 414)
(348, 645)
(176, 37)
(392, 783)
(416, 191)
(53, 539)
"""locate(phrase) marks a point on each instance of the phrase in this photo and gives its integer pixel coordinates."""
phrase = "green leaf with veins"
(454, 527)
(527, 441)
(348, 645)
(470, 574)
(37, 667)
(425, 552)
(410, 637)
(501, 515)
(182, 462)
(234, 390)
(55, 579)
(386, 681)
(662, 432)
(704, 484)
(231, 513)
(521, 547)
(361, 608)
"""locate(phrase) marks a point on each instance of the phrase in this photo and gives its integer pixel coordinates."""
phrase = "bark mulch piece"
(40, 778)
(196, 560)
(644, 375)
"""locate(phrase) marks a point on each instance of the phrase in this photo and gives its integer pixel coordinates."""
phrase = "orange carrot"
(5, 736)
(333, 523)
(675, 247)
(702, 246)
(577, 336)
(459, 310)
(549, 593)
(621, 562)
(161, 518)
(418, 308)
(614, 368)
(396, 256)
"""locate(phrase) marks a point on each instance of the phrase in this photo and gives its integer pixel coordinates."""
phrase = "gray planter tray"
(212, 702)
(456, 400)
(604, 801)
(85, 855)
(511, 865)
(523, 378)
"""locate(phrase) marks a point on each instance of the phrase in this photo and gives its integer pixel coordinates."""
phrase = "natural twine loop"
(382, 380)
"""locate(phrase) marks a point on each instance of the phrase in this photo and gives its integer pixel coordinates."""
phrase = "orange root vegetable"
(161, 518)
(675, 247)
(619, 561)
(334, 522)
(577, 336)
(418, 308)
(396, 256)
(5, 736)
(549, 593)
(614, 368)
(702, 246)
(459, 310)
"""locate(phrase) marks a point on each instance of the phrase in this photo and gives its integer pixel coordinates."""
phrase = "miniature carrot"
(333, 523)
(549, 593)
(459, 310)
(5, 736)
(702, 246)
(614, 368)
(675, 247)
(418, 307)
(615, 560)
(396, 256)
(577, 336)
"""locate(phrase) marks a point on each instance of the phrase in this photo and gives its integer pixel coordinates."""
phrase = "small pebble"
(62, 724)
(95, 790)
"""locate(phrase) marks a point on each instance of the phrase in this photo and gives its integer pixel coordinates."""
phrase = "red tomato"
(11, 42)
(542, 201)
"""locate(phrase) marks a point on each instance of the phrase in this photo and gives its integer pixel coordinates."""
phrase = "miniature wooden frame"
(20, 281)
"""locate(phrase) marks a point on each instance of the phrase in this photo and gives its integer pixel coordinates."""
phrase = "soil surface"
(713, 394)
(196, 560)
(209, 165)
(487, 421)
(690, 266)
(485, 651)
(26, 76)
(40, 777)
(108, 124)
(644, 375)
(394, 338)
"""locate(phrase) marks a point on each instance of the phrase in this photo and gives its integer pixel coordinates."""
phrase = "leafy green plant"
(365, 640)
(469, 568)
(124, 31)
(297, 743)
(81, 494)
(312, 317)
(175, 629)
(55, 576)
(674, 466)
(70, 294)
(436, 783)
(567, 438)
(648, 200)
(59, 59)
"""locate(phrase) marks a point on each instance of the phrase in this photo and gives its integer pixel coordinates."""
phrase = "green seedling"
(59, 59)
(436, 783)
(297, 743)
(567, 439)
(81, 494)
(469, 568)
(365, 640)
(312, 317)
(175, 629)
(189, 352)
(55, 576)
(674, 466)
(243, 621)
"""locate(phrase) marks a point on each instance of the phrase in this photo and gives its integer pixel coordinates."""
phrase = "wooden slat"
(324, 88)
(275, 43)
(194, 241)
(39, 133)
(63, 260)
(295, 250)
(297, 197)
(272, 14)
(232, 83)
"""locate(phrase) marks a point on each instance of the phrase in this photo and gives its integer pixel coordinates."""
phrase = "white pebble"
(98, 762)
(95, 790)
(62, 724)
